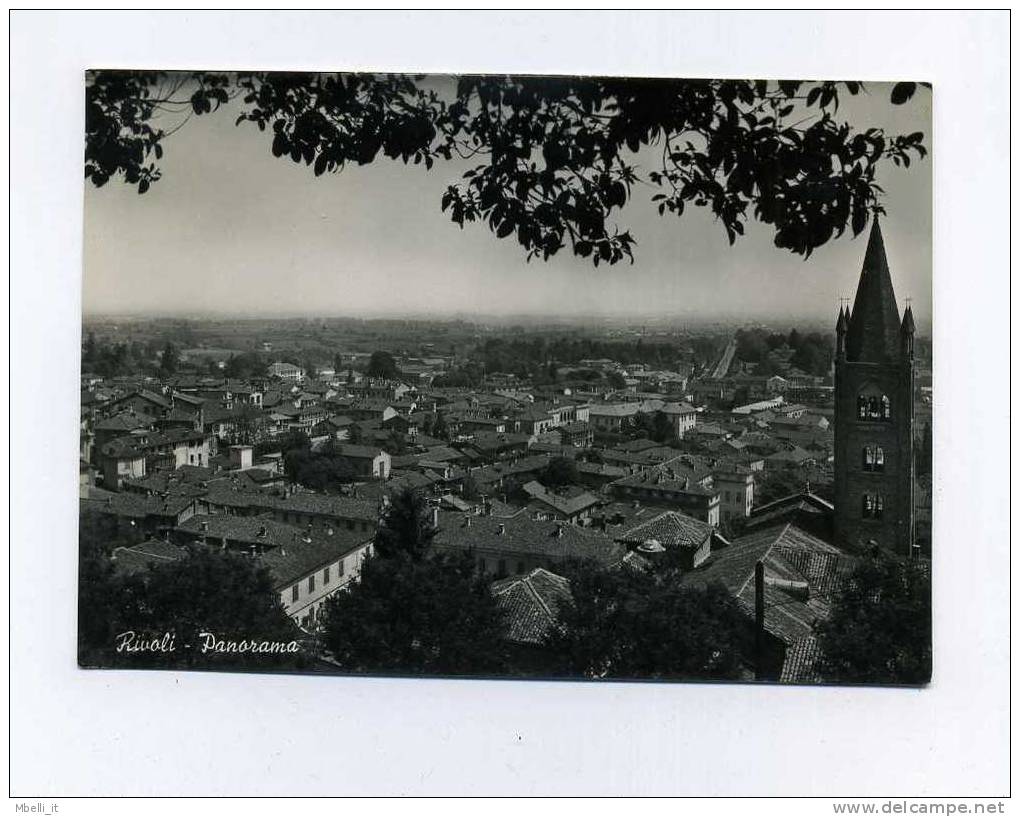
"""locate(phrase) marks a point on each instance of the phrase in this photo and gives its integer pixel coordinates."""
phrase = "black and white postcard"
(465, 403)
(558, 377)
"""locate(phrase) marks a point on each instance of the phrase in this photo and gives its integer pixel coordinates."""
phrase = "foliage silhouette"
(879, 630)
(551, 161)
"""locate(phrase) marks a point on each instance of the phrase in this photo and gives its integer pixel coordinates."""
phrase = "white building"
(287, 371)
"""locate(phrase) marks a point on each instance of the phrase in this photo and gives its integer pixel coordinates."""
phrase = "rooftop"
(793, 557)
(530, 604)
(522, 535)
(669, 529)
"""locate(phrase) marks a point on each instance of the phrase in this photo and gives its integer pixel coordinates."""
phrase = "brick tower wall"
(896, 437)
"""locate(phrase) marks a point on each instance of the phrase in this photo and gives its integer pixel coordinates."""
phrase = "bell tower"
(874, 412)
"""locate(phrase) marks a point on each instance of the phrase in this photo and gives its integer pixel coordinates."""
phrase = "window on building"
(873, 458)
(501, 569)
(311, 583)
(873, 407)
(294, 593)
(520, 567)
(872, 506)
(350, 524)
(325, 575)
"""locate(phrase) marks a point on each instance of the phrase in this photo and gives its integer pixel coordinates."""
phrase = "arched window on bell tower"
(872, 506)
(873, 406)
(873, 458)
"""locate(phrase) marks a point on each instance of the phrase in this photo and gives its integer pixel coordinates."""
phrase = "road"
(723, 365)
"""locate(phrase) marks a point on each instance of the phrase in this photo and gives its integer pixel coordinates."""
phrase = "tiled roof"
(799, 662)
(601, 469)
(496, 440)
(805, 500)
(570, 501)
(790, 555)
(135, 506)
(678, 408)
(498, 508)
(659, 479)
(290, 551)
(456, 503)
(635, 446)
(369, 452)
(495, 472)
(530, 604)
(223, 492)
(125, 421)
(218, 414)
(298, 559)
(150, 553)
(523, 535)
(441, 453)
(187, 476)
(145, 394)
(188, 398)
(134, 445)
(615, 410)
(669, 529)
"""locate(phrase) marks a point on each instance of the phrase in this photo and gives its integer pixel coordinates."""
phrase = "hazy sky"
(229, 228)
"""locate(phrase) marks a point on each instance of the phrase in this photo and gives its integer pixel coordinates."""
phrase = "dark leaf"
(902, 91)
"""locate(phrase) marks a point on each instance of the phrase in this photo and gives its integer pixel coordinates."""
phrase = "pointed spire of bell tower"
(873, 333)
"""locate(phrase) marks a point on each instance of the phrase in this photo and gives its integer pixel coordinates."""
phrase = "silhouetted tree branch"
(556, 154)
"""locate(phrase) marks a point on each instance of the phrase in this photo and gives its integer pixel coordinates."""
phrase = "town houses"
(709, 466)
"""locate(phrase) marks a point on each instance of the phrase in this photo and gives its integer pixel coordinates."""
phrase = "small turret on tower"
(907, 330)
(842, 324)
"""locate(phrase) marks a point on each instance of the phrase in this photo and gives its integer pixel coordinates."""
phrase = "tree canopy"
(552, 161)
(415, 611)
(632, 624)
(879, 630)
(207, 591)
(559, 472)
(405, 528)
(382, 365)
(416, 616)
